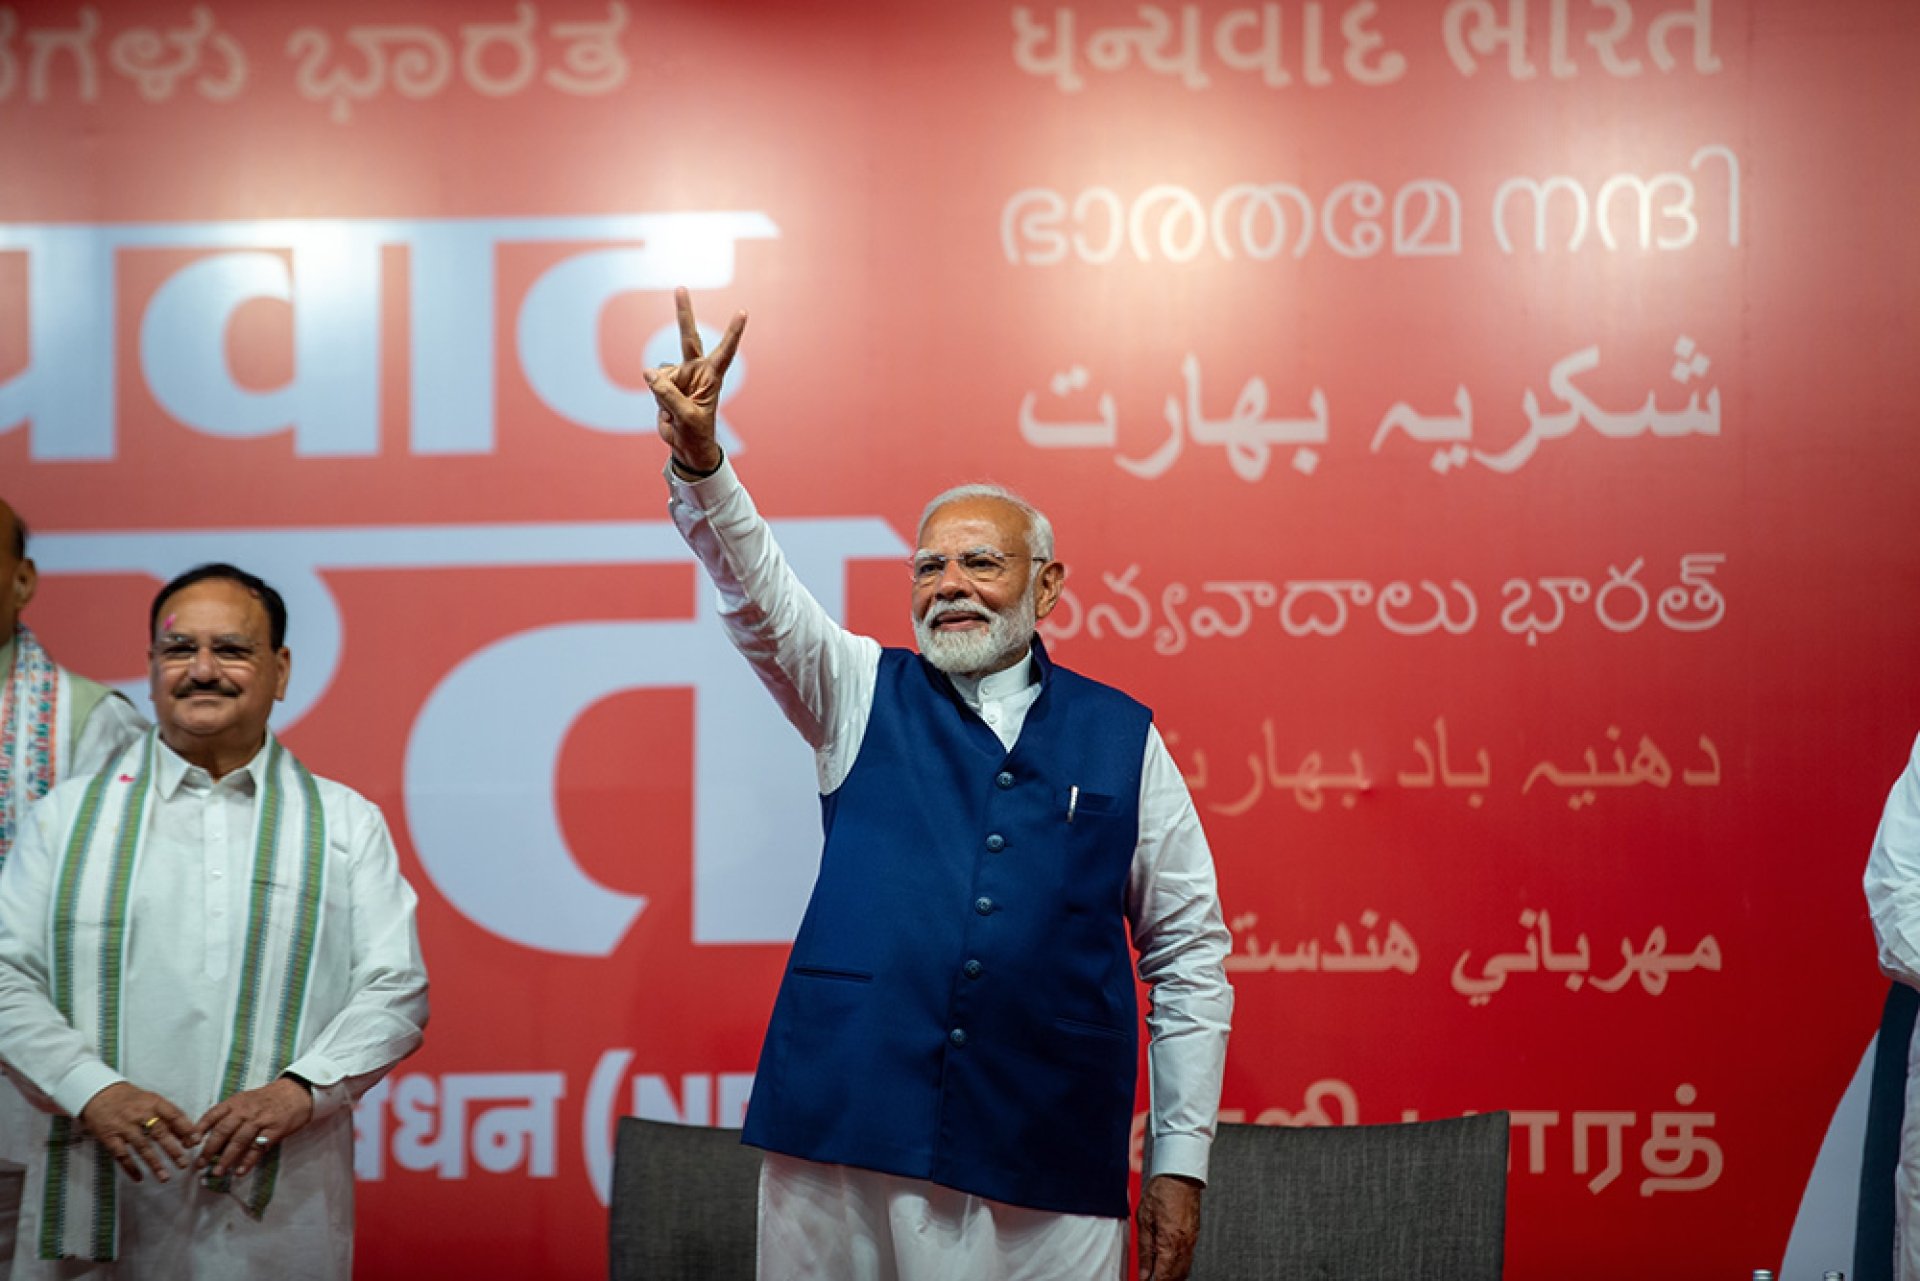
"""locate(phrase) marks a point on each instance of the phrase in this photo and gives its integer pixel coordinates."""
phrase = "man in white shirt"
(206, 954)
(1893, 901)
(54, 725)
(947, 1082)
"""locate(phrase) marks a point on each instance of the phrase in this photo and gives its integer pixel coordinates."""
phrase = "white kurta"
(824, 1221)
(95, 723)
(188, 915)
(1893, 901)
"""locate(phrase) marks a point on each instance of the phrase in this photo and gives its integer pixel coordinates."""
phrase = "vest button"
(983, 905)
(996, 842)
(1004, 778)
(972, 969)
(958, 1036)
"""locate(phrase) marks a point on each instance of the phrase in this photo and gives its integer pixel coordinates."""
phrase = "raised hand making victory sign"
(689, 393)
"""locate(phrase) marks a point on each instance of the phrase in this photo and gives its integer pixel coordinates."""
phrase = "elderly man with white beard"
(946, 1085)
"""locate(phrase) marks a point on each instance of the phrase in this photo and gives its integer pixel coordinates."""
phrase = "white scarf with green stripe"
(89, 931)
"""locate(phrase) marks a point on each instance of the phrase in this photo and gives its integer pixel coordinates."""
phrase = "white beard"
(966, 653)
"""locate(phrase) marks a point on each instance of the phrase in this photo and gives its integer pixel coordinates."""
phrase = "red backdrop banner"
(1480, 431)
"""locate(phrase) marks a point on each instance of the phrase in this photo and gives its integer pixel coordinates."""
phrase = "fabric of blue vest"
(959, 1002)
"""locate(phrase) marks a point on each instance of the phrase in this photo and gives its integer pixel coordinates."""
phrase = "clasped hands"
(138, 1127)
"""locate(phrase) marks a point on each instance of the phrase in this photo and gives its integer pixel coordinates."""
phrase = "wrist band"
(688, 473)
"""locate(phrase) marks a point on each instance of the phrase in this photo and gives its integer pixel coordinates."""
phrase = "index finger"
(212, 1116)
(689, 331)
(729, 342)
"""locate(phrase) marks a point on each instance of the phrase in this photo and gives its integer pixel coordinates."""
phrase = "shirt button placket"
(215, 851)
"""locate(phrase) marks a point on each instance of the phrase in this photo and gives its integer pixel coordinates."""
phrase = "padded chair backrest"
(684, 1203)
(1424, 1201)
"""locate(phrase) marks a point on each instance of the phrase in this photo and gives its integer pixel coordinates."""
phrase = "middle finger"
(138, 1149)
(236, 1147)
(116, 1148)
(165, 1139)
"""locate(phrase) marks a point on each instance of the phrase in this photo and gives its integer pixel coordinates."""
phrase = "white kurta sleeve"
(35, 1040)
(1893, 877)
(1183, 942)
(386, 1010)
(820, 674)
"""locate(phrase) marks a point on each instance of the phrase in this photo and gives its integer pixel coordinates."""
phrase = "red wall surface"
(1482, 432)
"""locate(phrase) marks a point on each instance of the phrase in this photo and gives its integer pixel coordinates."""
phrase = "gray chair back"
(684, 1203)
(1424, 1201)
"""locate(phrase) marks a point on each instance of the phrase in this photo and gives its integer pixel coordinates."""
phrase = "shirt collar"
(173, 770)
(995, 686)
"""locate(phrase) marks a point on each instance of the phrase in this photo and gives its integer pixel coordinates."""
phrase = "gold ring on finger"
(146, 1126)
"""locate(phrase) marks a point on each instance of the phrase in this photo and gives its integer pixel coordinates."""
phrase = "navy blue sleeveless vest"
(959, 1003)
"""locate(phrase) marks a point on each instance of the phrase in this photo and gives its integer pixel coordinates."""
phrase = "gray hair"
(1039, 528)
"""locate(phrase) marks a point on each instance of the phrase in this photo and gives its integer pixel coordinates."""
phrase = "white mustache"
(941, 608)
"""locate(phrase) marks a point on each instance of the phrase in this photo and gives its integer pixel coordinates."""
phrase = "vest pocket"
(1080, 801)
(834, 973)
(1077, 1028)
